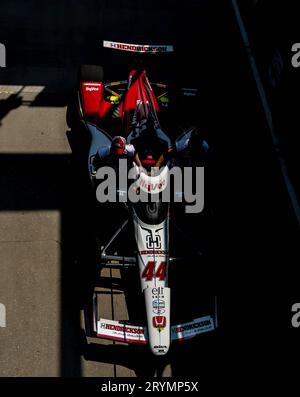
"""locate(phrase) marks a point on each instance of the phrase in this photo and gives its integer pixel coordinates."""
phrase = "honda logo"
(159, 322)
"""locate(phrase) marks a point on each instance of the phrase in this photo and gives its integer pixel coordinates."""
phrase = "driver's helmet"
(118, 145)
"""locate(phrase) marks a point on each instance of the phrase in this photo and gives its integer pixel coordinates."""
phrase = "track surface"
(44, 229)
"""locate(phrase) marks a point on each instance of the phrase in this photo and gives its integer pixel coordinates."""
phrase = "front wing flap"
(120, 331)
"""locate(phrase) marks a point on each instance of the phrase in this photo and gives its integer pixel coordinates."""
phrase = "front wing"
(121, 331)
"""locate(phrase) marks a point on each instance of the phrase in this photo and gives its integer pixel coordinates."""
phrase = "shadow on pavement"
(11, 103)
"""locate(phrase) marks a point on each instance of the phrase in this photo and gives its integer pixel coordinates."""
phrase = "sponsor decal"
(184, 188)
(2, 56)
(92, 88)
(153, 242)
(159, 322)
(111, 329)
(122, 328)
(200, 324)
(154, 252)
(137, 47)
(296, 57)
(158, 291)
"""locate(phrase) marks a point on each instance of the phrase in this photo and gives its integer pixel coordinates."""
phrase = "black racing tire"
(91, 73)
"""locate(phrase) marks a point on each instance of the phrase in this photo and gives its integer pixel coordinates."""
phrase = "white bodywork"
(153, 256)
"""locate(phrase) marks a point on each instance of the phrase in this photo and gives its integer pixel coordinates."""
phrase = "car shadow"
(11, 103)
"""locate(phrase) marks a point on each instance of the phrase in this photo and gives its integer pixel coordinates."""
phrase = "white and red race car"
(126, 108)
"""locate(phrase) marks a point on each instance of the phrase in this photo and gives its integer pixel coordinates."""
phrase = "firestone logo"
(2, 56)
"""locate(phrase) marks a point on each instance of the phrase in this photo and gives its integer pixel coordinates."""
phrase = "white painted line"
(267, 110)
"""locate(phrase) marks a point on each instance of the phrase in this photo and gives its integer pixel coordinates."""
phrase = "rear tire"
(86, 73)
(90, 73)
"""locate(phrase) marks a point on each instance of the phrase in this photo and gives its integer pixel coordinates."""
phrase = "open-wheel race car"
(122, 120)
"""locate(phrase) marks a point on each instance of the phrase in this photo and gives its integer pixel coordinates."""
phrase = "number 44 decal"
(149, 272)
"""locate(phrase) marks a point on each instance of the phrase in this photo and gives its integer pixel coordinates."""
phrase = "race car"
(124, 113)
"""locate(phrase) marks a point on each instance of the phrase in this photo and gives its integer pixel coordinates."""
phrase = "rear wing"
(140, 48)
